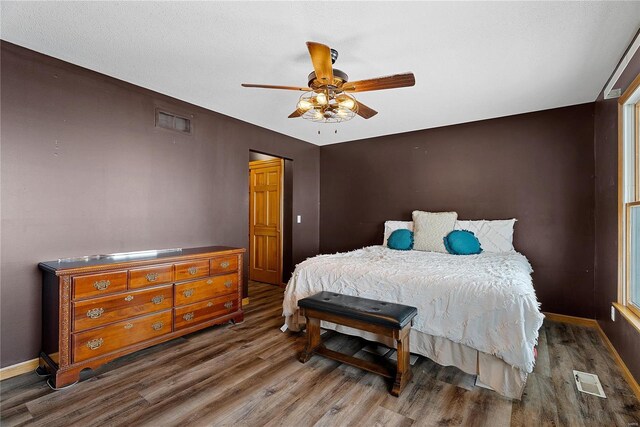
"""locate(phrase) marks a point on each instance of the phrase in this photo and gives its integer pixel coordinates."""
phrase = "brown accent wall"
(536, 167)
(623, 336)
(85, 171)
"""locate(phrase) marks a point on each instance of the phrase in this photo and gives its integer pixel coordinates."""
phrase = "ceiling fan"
(328, 96)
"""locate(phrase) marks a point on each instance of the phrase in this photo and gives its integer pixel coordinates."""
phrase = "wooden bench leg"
(313, 339)
(403, 373)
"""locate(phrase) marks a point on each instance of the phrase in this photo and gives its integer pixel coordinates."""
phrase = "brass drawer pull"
(228, 304)
(188, 316)
(224, 264)
(157, 299)
(209, 282)
(128, 326)
(128, 298)
(209, 304)
(157, 326)
(228, 283)
(94, 313)
(101, 285)
(152, 277)
(95, 344)
(192, 270)
(188, 292)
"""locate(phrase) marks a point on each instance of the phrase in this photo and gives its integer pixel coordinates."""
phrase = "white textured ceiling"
(472, 61)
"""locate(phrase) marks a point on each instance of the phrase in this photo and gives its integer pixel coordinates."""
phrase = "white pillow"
(494, 236)
(391, 226)
(430, 229)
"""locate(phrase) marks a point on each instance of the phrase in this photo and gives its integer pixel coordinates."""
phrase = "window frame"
(637, 148)
(630, 98)
(634, 307)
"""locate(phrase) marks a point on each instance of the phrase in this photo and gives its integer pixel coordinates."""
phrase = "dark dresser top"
(139, 257)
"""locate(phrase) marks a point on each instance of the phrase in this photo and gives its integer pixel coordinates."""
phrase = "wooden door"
(265, 220)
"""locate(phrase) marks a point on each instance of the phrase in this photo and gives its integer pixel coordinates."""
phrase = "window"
(633, 256)
(629, 198)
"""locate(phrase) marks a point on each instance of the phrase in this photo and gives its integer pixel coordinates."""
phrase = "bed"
(476, 312)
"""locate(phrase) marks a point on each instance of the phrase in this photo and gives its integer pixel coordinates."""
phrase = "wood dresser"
(98, 308)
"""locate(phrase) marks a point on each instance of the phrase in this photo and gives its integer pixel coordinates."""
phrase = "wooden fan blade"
(364, 111)
(304, 89)
(321, 60)
(295, 114)
(379, 83)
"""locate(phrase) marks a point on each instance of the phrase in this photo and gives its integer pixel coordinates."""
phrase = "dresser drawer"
(224, 264)
(191, 270)
(208, 288)
(100, 311)
(150, 276)
(97, 342)
(199, 312)
(99, 284)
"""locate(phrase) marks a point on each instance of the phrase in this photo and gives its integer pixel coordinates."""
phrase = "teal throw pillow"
(462, 242)
(401, 240)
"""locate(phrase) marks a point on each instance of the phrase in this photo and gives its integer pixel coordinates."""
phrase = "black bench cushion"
(369, 310)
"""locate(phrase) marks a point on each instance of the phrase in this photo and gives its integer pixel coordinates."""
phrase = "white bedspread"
(484, 301)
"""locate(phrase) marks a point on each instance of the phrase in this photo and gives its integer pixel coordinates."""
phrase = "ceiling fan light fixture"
(346, 101)
(304, 105)
(328, 98)
(343, 112)
(321, 98)
(327, 106)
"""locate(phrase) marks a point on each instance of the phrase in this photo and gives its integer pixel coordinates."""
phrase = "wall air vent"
(173, 122)
(614, 93)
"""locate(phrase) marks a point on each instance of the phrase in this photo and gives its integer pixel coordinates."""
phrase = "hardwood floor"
(248, 374)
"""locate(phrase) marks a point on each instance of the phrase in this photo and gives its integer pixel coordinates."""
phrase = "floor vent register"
(588, 383)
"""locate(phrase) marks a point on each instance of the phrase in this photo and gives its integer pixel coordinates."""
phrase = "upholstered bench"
(379, 317)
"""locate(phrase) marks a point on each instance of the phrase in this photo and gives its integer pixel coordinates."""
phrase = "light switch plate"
(299, 219)
(613, 314)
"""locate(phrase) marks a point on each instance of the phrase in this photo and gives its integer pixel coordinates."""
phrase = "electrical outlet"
(613, 313)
